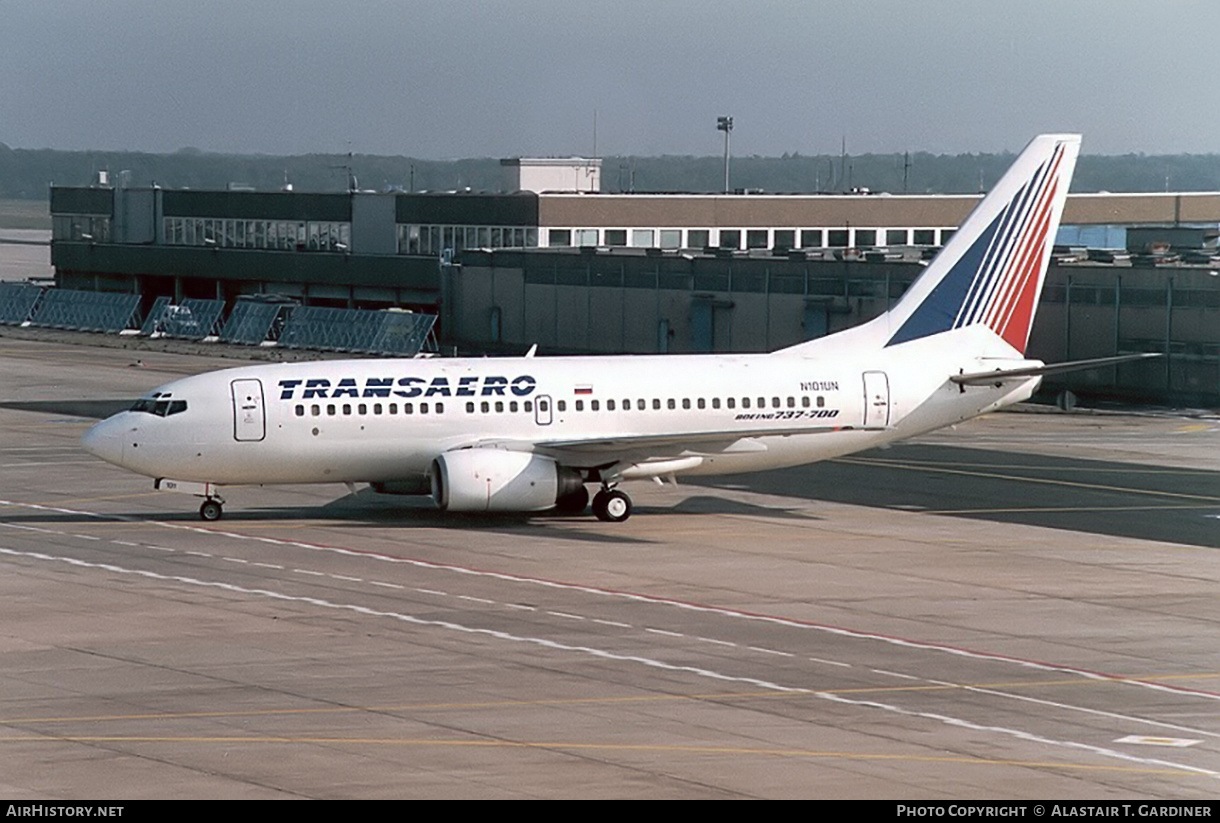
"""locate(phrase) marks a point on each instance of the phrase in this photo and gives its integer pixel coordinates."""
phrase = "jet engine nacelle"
(495, 480)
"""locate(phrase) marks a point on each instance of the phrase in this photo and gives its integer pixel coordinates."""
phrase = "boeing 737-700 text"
(528, 434)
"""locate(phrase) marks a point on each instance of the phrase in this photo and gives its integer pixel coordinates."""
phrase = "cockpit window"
(160, 405)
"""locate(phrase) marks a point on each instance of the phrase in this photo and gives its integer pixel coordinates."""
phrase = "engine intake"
(496, 480)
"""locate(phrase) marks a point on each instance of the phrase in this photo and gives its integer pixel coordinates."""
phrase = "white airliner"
(527, 434)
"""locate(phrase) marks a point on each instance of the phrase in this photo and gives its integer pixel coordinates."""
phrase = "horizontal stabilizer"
(983, 378)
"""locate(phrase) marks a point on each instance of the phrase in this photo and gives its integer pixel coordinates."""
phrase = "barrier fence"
(251, 322)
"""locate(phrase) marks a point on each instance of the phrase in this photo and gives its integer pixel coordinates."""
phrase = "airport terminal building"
(582, 271)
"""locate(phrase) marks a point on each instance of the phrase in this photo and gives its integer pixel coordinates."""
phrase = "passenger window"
(300, 411)
(821, 401)
(701, 403)
(805, 401)
(745, 402)
(609, 405)
(362, 409)
(671, 404)
(499, 405)
(423, 408)
(529, 405)
(561, 405)
(376, 408)
(656, 404)
(469, 406)
(393, 408)
(347, 408)
(775, 402)
(580, 405)
(513, 405)
(593, 405)
(485, 407)
(762, 402)
(330, 409)
(686, 402)
(440, 408)
(641, 404)
(408, 408)
(315, 410)
(544, 406)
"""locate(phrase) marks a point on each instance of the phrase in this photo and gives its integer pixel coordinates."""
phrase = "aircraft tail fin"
(992, 270)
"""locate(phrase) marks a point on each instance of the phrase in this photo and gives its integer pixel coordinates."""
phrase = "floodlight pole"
(725, 124)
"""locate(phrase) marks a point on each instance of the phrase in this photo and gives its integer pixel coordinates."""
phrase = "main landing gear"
(611, 505)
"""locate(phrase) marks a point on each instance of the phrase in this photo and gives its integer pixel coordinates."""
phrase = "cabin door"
(876, 400)
(249, 414)
(542, 410)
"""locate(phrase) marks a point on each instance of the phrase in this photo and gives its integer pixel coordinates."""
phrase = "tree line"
(27, 173)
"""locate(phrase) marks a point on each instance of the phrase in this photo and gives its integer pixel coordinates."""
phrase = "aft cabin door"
(876, 399)
(249, 416)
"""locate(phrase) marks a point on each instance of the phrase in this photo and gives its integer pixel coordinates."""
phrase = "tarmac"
(1023, 608)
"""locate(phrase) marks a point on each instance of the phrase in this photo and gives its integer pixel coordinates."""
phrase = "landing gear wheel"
(573, 503)
(211, 510)
(612, 506)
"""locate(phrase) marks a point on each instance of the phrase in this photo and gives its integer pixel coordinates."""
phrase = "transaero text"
(470, 386)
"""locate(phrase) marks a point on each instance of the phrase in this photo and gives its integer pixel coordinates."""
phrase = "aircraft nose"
(105, 440)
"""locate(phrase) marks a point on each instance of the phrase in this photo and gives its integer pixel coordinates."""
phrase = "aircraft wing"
(983, 378)
(600, 451)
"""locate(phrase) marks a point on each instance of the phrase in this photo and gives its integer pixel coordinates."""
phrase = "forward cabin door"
(249, 413)
(542, 410)
(876, 399)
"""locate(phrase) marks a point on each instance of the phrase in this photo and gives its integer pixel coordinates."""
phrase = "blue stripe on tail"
(939, 309)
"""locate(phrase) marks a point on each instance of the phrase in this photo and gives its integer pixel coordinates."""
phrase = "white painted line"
(641, 598)
(566, 615)
(309, 572)
(476, 599)
(616, 624)
(830, 662)
(894, 674)
(1017, 733)
(1083, 709)
(662, 631)
(604, 654)
(770, 651)
(1144, 740)
(716, 642)
(385, 585)
(345, 577)
(446, 625)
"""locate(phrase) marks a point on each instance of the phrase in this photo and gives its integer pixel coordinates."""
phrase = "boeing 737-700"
(531, 433)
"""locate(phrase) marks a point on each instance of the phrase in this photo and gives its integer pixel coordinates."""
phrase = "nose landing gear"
(212, 509)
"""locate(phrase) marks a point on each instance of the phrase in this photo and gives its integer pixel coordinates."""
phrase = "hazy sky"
(451, 78)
